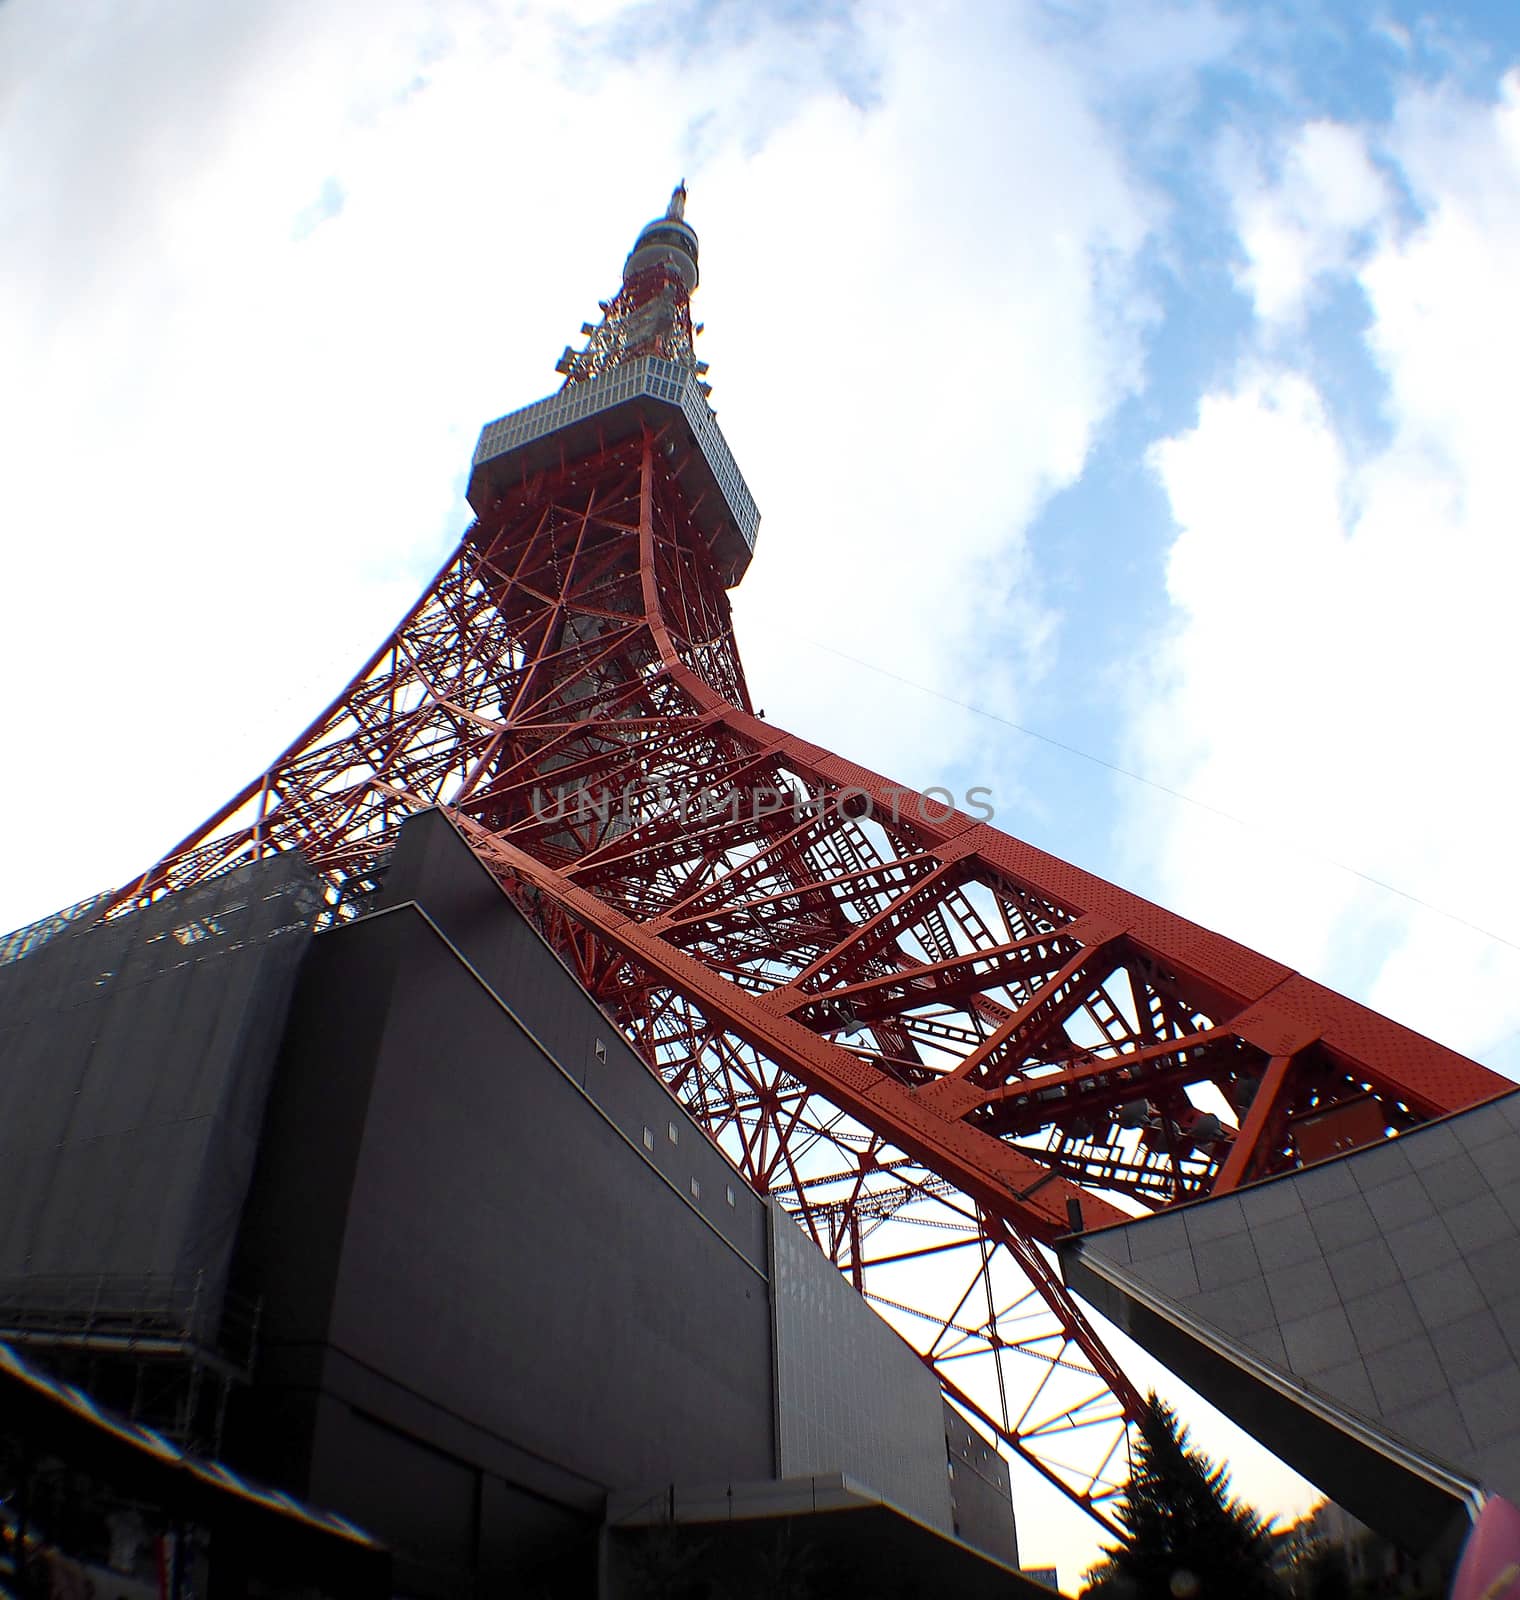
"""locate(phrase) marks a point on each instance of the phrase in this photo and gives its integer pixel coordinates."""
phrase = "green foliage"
(1324, 1576)
(785, 1570)
(664, 1564)
(1185, 1537)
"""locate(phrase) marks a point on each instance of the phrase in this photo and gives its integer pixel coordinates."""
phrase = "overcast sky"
(1141, 373)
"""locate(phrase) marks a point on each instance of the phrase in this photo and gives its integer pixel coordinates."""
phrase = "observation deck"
(615, 405)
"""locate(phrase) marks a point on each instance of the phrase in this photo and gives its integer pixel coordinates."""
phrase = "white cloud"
(935, 278)
(1341, 665)
(268, 272)
(1309, 219)
(1394, 34)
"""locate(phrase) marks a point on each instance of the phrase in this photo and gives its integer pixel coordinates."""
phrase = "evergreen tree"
(1184, 1535)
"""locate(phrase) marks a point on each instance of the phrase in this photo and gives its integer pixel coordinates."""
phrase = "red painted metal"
(936, 1044)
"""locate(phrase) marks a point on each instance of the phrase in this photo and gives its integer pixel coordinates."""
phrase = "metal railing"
(148, 1313)
(648, 375)
(22, 941)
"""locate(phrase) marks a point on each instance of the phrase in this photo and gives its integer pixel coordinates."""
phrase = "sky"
(1127, 390)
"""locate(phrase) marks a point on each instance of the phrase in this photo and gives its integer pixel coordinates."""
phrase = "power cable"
(1150, 783)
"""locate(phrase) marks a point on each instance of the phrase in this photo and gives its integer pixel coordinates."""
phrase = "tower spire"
(650, 315)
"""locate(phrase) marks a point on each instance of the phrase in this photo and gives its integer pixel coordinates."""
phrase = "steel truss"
(940, 1047)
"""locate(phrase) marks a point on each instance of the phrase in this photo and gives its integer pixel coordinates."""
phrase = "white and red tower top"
(638, 370)
(651, 314)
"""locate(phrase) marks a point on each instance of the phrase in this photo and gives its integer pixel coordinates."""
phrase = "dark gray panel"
(1435, 1426)
(1358, 1269)
(529, 1545)
(1445, 1293)
(851, 1396)
(1490, 1406)
(1452, 1181)
(1318, 1341)
(137, 1058)
(1400, 1201)
(980, 1507)
(1301, 1289)
(297, 1210)
(1347, 1221)
(1174, 1273)
(521, 1247)
(423, 1498)
(482, 1257)
(1348, 1385)
(1220, 1221)
(1393, 1281)
(1243, 1308)
(1382, 1317)
(1225, 1261)
(434, 869)
(1404, 1373)
(1285, 1241)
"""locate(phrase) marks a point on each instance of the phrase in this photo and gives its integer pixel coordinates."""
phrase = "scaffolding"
(164, 1350)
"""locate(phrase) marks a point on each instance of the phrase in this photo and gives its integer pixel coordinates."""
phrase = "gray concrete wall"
(981, 1507)
(851, 1396)
(434, 868)
(833, 1416)
(480, 1291)
(491, 1243)
(1385, 1283)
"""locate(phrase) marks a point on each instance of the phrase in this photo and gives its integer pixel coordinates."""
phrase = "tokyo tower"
(937, 1046)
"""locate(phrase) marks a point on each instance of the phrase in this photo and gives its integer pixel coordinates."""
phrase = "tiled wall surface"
(851, 1396)
(1388, 1280)
(980, 1492)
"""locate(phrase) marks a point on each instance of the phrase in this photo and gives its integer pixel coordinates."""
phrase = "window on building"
(696, 1188)
(674, 1134)
(601, 1051)
(649, 1138)
(729, 1193)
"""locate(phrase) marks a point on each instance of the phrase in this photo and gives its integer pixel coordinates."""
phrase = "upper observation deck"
(648, 392)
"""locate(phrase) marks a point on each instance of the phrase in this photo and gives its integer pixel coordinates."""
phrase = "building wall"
(981, 1508)
(504, 1273)
(851, 1396)
(135, 1061)
(537, 1271)
(501, 1271)
(435, 869)
(479, 1273)
(1386, 1282)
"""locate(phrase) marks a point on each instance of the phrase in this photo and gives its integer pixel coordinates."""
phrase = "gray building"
(1360, 1317)
(516, 1313)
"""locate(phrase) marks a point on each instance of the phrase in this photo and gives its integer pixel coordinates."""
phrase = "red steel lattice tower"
(939, 1047)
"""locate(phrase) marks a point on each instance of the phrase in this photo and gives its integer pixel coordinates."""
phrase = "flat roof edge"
(1466, 1491)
